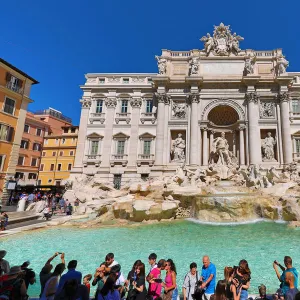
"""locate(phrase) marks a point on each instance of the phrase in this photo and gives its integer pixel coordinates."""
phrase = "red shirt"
(88, 286)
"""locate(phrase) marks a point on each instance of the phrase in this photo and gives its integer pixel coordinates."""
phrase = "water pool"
(182, 241)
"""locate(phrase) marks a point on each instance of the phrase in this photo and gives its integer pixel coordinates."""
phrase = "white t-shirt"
(113, 264)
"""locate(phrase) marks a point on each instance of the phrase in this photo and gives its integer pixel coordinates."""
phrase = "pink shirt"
(155, 287)
(168, 280)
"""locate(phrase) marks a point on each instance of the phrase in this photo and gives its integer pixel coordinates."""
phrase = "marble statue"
(222, 150)
(179, 110)
(253, 176)
(281, 65)
(178, 148)
(194, 66)
(268, 148)
(154, 109)
(272, 174)
(249, 64)
(223, 42)
(162, 65)
(195, 176)
(180, 175)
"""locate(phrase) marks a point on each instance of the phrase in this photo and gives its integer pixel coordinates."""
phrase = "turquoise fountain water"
(183, 241)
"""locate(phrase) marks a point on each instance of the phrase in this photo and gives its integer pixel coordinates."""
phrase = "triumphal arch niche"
(218, 107)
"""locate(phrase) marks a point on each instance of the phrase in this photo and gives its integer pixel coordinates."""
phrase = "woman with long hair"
(228, 275)
(170, 286)
(220, 293)
(109, 292)
(140, 285)
(241, 281)
(52, 283)
(131, 277)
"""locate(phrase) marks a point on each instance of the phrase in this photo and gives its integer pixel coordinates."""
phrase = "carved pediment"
(147, 135)
(297, 133)
(121, 135)
(95, 135)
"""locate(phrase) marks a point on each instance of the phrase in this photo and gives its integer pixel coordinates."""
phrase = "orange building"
(31, 150)
(15, 88)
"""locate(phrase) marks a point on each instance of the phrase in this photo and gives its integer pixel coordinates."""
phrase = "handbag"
(131, 294)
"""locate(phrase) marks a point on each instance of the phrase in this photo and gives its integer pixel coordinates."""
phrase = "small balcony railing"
(14, 87)
(92, 159)
(119, 159)
(97, 117)
(148, 117)
(123, 117)
(145, 159)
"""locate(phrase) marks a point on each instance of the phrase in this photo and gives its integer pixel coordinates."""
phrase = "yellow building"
(58, 156)
(15, 88)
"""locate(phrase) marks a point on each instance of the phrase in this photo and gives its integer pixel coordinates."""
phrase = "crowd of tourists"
(111, 284)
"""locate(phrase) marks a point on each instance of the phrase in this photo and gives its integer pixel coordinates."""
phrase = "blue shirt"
(206, 272)
(285, 286)
(115, 295)
(71, 274)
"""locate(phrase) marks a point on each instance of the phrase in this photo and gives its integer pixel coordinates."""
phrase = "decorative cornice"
(284, 97)
(111, 102)
(86, 103)
(136, 102)
(252, 97)
(163, 98)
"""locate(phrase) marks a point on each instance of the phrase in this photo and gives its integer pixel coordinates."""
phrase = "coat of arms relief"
(223, 42)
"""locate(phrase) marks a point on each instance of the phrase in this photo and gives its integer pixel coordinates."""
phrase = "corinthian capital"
(194, 98)
(136, 102)
(284, 97)
(252, 97)
(111, 102)
(163, 98)
(86, 102)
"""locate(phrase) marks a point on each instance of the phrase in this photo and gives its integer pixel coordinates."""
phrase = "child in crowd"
(86, 281)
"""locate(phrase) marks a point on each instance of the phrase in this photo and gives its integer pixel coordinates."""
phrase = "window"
(71, 153)
(149, 106)
(32, 176)
(39, 182)
(20, 160)
(54, 153)
(50, 181)
(63, 141)
(36, 147)
(19, 175)
(296, 106)
(38, 131)
(13, 83)
(24, 144)
(26, 128)
(2, 160)
(126, 80)
(34, 162)
(102, 80)
(59, 167)
(69, 167)
(52, 167)
(61, 153)
(147, 147)
(73, 140)
(42, 167)
(149, 79)
(44, 153)
(6, 133)
(73, 130)
(117, 181)
(66, 130)
(144, 177)
(94, 147)
(120, 147)
(124, 106)
(46, 141)
(298, 145)
(58, 182)
(99, 106)
(56, 141)
(9, 106)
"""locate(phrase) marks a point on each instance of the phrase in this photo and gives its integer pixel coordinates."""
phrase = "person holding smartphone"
(154, 279)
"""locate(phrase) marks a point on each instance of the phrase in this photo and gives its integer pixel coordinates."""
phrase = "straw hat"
(15, 270)
(2, 253)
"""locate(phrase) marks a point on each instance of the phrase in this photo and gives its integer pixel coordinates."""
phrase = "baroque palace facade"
(146, 125)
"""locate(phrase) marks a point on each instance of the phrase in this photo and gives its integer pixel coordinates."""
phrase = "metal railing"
(14, 87)
(119, 156)
(93, 156)
(53, 113)
(146, 156)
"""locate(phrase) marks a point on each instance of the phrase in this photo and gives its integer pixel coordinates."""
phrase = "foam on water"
(254, 221)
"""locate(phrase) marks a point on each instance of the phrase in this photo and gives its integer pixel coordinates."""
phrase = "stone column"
(110, 103)
(136, 104)
(254, 134)
(211, 140)
(242, 145)
(159, 143)
(285, 128)
(205, 147)
(233, 142)
(194, 129)
(166, 158)
(80, 148)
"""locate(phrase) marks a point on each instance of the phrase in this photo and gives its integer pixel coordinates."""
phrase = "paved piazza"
(218, 105)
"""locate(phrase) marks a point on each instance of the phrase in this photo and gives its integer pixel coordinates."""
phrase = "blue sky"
(57, 42)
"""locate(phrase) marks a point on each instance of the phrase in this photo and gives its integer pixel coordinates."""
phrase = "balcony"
(145, 159)
(97, 117)
(92, 159)
(123, 117)
(13, 86)
(148, 117)
(119, 159)
(296, 157)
